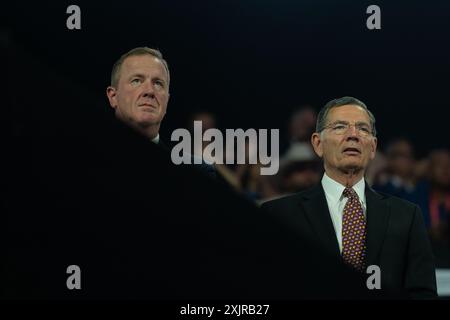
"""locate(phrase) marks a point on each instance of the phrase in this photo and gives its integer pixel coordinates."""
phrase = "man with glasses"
(351, 221)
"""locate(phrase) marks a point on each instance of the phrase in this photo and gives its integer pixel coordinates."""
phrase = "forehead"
(348, 112)
(145, 64)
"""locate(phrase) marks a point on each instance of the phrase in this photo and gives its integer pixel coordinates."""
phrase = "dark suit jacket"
(396, 237)
(203, 167)
(140, 227)
(116, 131)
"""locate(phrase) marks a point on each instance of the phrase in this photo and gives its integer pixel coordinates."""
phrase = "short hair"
(323, 114)
(139, 51)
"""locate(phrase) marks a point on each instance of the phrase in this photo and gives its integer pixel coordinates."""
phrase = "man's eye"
(159, 84)
(364, 129)
(136, 81)
(339, 127)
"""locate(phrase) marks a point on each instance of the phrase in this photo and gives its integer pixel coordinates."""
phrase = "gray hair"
(323, 114)
(115, 73)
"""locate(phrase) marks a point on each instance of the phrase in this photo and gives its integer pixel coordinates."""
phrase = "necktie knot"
(350, 193)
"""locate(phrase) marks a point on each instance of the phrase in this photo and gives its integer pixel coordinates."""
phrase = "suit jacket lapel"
(316, 209)
(377, 221)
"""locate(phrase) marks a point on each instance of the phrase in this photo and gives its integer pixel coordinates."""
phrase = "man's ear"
(374, 148)
(111, 93)
(316, 142)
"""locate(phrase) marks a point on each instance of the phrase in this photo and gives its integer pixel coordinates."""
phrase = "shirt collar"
(334, 189)
(156, 139)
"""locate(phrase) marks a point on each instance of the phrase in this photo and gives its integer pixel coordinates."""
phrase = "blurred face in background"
(400, 158)
(439, 169)
(208, 120)
(299, 176)
(302, 124)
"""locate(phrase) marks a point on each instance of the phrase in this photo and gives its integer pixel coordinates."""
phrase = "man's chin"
(148, 120)
(352, 167)
(143, 125)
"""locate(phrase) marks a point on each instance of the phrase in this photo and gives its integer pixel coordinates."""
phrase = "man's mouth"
(147, 105)
(351, 151)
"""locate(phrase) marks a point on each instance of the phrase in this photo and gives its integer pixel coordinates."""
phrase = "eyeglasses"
(340, 128)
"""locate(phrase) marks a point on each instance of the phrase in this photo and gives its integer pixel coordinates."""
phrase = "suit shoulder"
(282, 201)
(393, 200)
(399, 205)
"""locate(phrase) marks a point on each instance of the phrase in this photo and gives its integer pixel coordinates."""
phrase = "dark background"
(250, 62)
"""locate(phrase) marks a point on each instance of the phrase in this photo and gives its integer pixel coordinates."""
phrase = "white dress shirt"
(336, 201)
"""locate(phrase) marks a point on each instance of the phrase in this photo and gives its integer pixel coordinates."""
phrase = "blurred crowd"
(395, 170)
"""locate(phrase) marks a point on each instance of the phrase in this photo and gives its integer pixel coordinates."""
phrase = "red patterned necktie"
(353, 231)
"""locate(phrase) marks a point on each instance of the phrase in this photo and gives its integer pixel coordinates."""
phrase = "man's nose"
(149, 90)
(352, 133)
